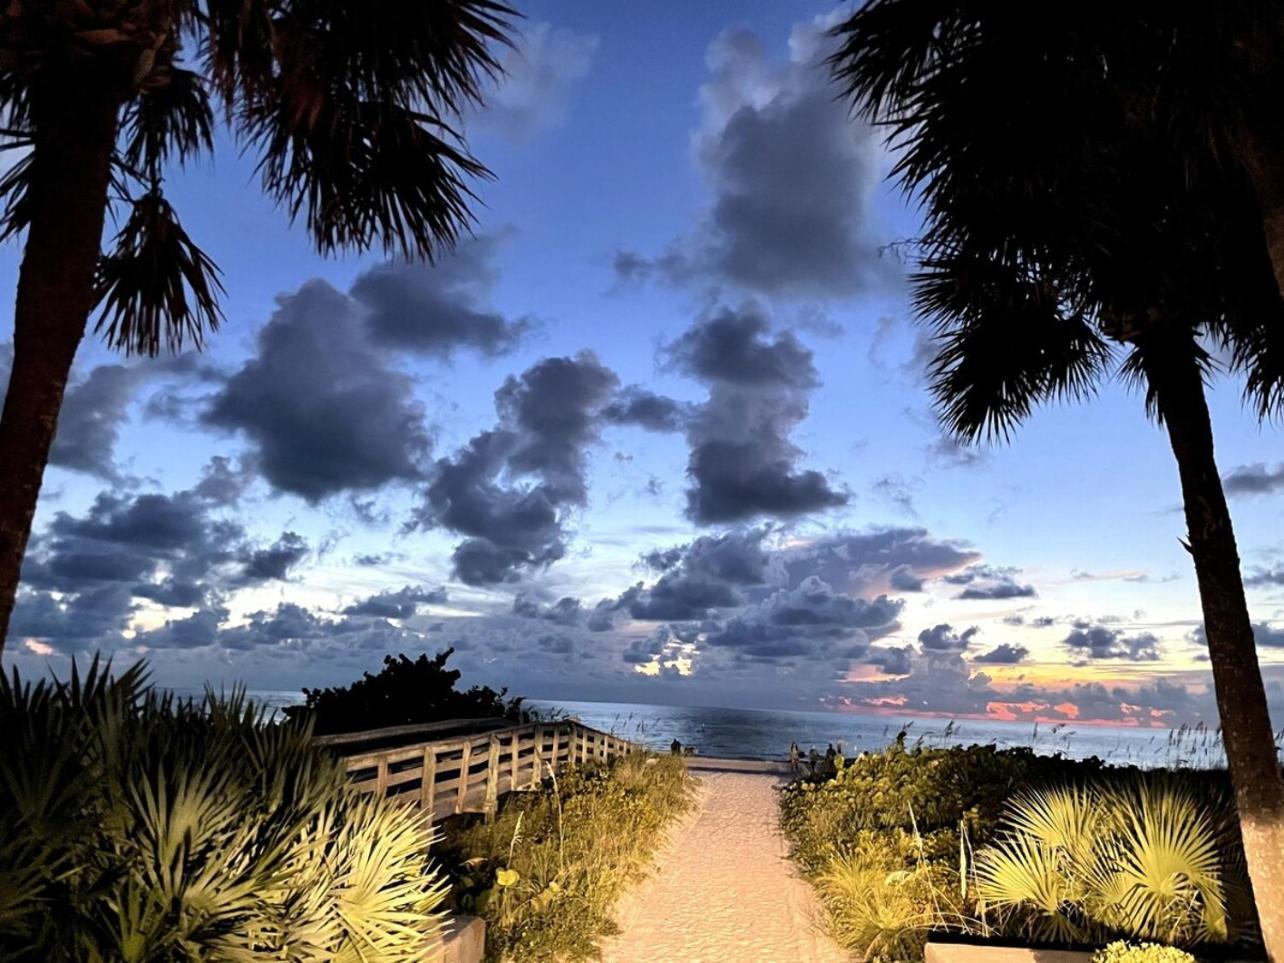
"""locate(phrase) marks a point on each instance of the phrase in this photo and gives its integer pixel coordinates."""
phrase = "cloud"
(399, 604)
(324, 411)
(858, 562)
(437, 309)
(743, 463)
(1263, 577)
(566, 611)
(1100, 642)
(990, 582)
(508, 491)
(639, 406)
(274, 562)
(943, 638)
(790, 172)
(1003, 654)
(1255, 479)
(1265, 635)
(533, 92)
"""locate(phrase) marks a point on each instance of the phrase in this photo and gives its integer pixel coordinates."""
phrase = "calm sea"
(767, 733)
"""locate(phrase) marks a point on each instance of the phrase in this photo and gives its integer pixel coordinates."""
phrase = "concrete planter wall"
(463, 940)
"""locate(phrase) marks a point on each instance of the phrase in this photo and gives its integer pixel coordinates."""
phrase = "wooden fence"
(470, 773)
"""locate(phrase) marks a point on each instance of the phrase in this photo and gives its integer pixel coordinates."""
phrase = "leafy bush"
(403, 692)
(1121, 952)
(1149, 859)
(134, 826)
(546, 872)
(927, 790)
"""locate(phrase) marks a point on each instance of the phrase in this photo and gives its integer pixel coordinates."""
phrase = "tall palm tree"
(1084, 214)
(348, 106)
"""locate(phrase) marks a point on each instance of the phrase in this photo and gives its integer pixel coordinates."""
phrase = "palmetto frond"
(156, 283)
(172, 119)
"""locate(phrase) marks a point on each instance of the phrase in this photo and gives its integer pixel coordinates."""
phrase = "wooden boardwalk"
(724, 890)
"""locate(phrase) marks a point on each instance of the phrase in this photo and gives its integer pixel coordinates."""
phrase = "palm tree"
(347, 105)
(1084, 214)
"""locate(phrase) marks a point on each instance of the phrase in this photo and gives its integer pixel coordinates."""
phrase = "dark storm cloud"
(892, 660)
(943, 638)
(790, 172)
(989, 582)
(509, 489)
(897, 557)
(274, 562)
(399, 604)
(93, 618)
(743, 463)
(638, 406)
(565, 611)
(699, 577)
(1101, 642)
(323, 409)
(437, 309)
(90, 420)
(1256, 479)
(679, 597)
(1003, 654)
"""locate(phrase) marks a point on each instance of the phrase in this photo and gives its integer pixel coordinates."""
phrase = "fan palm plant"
(137, 827)
(1150, 860)
(348, 107)
(1090, 207)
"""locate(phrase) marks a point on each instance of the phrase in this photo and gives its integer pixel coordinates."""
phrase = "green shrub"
(546, 872)
(1121, 952)
(138, 827)
(1150, 859)
(930, 790)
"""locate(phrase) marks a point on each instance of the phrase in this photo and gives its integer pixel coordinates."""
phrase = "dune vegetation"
(546, 872)
(1012, 845)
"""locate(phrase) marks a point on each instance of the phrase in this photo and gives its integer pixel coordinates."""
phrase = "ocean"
(767, 733)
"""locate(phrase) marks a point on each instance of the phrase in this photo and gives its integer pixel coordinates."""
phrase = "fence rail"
(470, 773)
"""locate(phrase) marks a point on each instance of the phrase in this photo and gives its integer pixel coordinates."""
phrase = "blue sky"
(715, 477)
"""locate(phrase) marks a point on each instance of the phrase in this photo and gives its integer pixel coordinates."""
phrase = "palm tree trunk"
(1265, 165)
(1237, 678)
(71, 173)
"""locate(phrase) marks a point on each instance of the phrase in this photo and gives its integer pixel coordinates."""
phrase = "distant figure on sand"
(794, 754)
(675, 747)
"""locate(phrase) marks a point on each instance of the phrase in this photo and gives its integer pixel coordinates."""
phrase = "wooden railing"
(470, 773)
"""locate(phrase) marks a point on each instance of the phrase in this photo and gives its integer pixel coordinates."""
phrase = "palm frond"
(1005, 343)
(173, 118)
(156, 283)
(366, 174)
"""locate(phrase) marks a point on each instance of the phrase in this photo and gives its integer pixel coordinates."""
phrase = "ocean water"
(767, 733)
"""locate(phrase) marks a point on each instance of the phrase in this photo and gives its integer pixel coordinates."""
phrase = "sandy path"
(724, 888)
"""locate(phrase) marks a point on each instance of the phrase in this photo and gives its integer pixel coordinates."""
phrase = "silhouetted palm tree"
(1085, 213)
(348, 105)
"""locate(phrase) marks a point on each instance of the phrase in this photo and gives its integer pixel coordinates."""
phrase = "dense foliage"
(1121, 952)
(138, 827)
(546, 872)
(404, 691)
(907, 842)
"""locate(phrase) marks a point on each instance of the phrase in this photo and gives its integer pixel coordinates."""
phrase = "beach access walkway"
(723, 889)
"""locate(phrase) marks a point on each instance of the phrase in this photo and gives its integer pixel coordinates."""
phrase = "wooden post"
(428, 782)
(557, 731)
(492, 779)
(537, 757)
(514, 749)
(464, 762)
(381, 778)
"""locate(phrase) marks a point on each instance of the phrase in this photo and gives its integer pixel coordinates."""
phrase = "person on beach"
(675, 747)
(794, 755)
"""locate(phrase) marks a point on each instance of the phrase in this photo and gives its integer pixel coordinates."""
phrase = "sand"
(724, 888)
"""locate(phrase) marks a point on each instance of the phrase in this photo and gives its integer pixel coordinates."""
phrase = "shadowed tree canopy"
(1097, 200)
(403, 692)
(347, 106)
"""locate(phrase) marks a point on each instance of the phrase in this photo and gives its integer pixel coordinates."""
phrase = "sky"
(658, 431)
